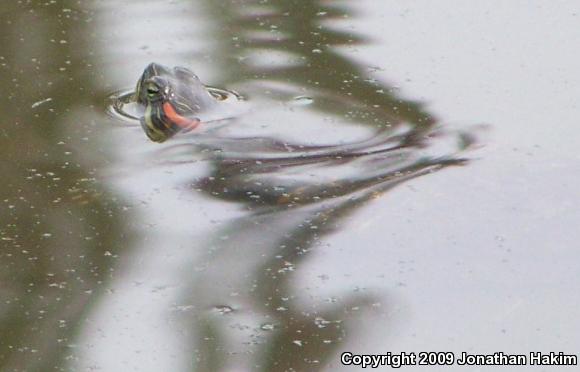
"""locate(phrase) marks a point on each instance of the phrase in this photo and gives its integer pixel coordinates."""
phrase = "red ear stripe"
(177, 119)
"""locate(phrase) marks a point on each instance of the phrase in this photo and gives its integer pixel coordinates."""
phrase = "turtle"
(172, 98)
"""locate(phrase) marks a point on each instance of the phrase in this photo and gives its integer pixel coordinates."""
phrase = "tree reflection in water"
(60, 227)
(296, 194)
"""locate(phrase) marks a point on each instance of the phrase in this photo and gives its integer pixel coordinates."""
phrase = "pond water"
(399, 177)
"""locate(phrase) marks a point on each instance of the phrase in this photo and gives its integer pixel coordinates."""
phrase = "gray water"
(401, 179)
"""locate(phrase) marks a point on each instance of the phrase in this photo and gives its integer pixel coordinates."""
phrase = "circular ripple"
(122, 104)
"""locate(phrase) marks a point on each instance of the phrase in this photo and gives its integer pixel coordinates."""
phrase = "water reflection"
(295, 196)
(306, 31)
(55, 256)
(62, 228)
(248, 313)
(254, 262)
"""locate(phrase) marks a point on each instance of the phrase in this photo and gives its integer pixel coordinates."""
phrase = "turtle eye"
(152, 90)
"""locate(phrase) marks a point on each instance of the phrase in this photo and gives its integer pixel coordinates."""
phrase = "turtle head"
(171, 98)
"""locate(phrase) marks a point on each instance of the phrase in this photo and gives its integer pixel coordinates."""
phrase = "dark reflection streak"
(296, 325)
(229, 179)
(312, 329)
(327, 70)
(61, 222)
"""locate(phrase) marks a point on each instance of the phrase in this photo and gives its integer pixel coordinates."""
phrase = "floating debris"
(302, 100)
(267, 327)
(224, 309)
(36, 104)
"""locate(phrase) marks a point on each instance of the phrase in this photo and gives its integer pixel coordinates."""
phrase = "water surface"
(348, 209)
